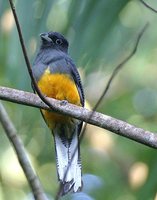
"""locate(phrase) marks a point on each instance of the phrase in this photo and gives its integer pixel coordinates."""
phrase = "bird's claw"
(63, 102)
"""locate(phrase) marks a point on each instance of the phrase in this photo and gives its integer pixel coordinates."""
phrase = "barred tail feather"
(68, 165)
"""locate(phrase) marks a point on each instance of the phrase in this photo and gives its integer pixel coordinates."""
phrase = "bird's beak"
(45, 37)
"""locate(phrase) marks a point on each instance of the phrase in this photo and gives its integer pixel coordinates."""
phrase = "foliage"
(101, 33)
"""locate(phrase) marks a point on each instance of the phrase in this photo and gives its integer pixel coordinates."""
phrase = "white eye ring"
(59, 41)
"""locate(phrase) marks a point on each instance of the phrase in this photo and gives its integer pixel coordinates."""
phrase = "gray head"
(54, 40)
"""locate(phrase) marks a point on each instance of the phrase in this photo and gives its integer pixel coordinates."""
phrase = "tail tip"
(69, 187)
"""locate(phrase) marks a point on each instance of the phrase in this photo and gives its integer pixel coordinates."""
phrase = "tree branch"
(114, 125)
(11, 133)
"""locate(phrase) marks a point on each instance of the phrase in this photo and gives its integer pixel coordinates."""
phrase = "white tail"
(68, 160)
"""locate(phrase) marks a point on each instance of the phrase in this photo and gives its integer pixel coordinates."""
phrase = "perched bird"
(57, 77)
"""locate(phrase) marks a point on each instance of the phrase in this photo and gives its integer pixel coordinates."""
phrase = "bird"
(57, 77)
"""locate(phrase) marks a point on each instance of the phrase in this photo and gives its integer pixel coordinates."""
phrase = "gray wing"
(77, 79)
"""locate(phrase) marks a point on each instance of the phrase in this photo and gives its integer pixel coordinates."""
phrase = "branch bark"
(11, 133)
(114, 125)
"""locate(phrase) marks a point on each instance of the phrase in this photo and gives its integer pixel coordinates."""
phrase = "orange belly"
(61, 87)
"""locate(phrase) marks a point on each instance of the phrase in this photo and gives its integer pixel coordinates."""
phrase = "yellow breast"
(61, 87)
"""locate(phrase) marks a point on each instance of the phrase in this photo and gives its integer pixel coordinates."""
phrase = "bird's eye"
(59, 41)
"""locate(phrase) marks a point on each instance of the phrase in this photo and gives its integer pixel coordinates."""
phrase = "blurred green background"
(101, 34)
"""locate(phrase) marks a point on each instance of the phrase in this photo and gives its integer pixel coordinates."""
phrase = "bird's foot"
(63, 102)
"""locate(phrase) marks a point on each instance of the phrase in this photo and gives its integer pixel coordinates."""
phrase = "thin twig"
(18, 146)
(115, 72)
(119, 67)
(103, 121)
(44, 99)
(148, 6)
